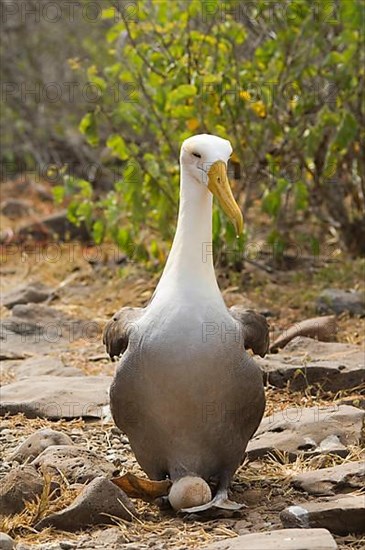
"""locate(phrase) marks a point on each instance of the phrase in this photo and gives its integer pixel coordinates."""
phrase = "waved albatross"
(186, 392)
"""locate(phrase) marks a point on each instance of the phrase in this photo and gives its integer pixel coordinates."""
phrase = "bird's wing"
(255, 329)
(118, 330)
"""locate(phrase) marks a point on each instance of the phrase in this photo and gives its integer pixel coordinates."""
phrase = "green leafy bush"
(281, 81)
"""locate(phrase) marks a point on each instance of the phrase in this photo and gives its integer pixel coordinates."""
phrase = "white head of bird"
(204, 160)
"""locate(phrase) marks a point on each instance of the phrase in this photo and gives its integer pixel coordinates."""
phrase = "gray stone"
(56, 397)
(110, 537)
(306, 430)
(333, 366)
(98, 503)
(333, 300)
(20, 485)
(77, 465)
(42, 192)
(39, 366)
(39, 329)
(313, 349)
(36, 443)
(30, 344)
(48, 323)
(8, 355)
(329, 481)
(67, 545)
(15, 208)
(282, 539)
(339, 515)
(6, 542)
(36, 329)
(43, 546)
(55, 227)
(27, 293)
(330, 444)
(354, 400)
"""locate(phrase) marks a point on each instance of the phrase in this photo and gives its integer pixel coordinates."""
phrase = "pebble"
(21, 484)
(115, 430)
(117, 444)
(99, 503)
(342, 515)
(38, 442)
(77, 464)
(303, 430)
(6, 542)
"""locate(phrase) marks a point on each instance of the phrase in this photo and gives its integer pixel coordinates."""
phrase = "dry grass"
(350, 543)
(281, 468)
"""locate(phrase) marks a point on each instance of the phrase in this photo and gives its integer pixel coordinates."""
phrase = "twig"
(259, 266)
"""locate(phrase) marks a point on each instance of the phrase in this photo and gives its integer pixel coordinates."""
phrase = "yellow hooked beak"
(218, 184)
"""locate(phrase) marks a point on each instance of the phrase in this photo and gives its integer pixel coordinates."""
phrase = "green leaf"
(346, 132)
(340, 144)
(118, 146)
(108, 13)
(124, 240)
(301, 195)
(58, 193)
(72, 214)
(217, 224)
(230, 233)
(85, 123)
(98, 231)
(182, 111)
(184, 91)
(88, 127)
(84, 211)
(271, 202)
(114, 32)
(315, 246)
(85, 188)
(352, 13)
(100, 85)
(277, 243)
(162, 11)
(154, 248)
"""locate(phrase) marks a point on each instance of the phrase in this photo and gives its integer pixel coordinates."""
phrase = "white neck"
(189, 268)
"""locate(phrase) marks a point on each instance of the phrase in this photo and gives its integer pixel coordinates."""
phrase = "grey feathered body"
(186, 392)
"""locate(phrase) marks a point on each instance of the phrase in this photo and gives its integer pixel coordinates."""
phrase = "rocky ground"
(304, 468)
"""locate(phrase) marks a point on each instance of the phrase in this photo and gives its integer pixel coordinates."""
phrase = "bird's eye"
(197, 155)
